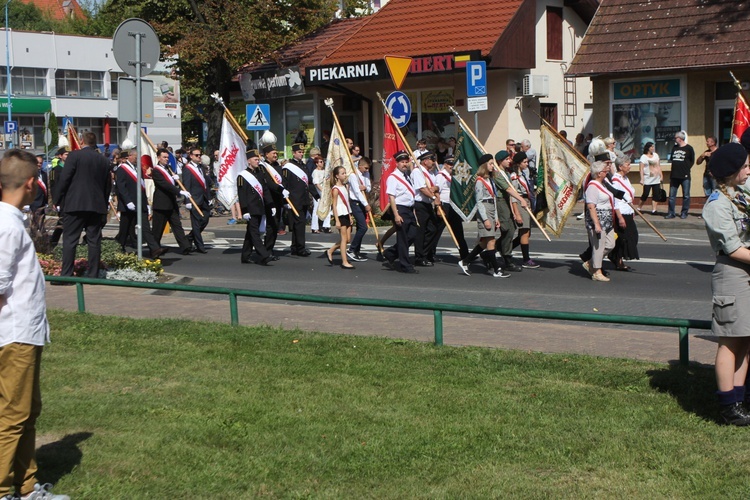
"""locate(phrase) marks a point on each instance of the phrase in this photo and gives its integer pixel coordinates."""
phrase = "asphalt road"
(672, 279)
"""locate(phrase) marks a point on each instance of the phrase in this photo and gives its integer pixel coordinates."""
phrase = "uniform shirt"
(420, 178)
(23, 314)
(398, 186)
(726, 225)
(483, 192)
(443, 181)
(354, 180)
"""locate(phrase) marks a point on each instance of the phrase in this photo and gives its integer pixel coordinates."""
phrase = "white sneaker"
(42, 492)
(464, 267)
(500, 274)
(579, 216)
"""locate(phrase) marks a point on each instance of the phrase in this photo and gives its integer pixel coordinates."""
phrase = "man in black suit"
(165, 206)
(83, 198)
(272, 170)
(196, 183)
(296, 181)
(126, 186)
(253, 194)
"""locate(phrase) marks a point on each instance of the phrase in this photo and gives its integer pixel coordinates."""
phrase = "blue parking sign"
(476, 79)
(10, 126)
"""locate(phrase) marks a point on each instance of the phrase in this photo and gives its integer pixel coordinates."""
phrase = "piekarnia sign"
(352, 72)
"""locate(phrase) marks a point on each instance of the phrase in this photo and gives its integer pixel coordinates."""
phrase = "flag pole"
(329, 103)
(739, 87)
(192, 201)
(484, 150)
(647, 221)
(440, 210)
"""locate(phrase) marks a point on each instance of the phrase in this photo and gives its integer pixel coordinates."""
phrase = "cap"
(727, 160)
(251, 153)
(298, 147)
(427, 155)
(519, 157)
(124, 154)
(62, 150)
(450, 159)
(268, 149)
(485, 158)
(401, 155)
(603, 157)
(501, 155)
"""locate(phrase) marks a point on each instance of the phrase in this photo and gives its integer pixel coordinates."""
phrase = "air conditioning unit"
(535, 85)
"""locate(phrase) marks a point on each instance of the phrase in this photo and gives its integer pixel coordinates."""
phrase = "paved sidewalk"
(527, 335)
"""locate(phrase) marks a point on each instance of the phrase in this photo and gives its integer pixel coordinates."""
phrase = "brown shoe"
(598, 276)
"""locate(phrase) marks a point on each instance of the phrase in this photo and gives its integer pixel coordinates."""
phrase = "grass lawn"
(173, 409)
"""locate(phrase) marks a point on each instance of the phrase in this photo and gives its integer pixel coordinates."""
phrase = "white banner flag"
(232, 161)
(338, 155)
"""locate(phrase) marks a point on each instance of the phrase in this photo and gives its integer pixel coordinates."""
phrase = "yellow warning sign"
(398, 67)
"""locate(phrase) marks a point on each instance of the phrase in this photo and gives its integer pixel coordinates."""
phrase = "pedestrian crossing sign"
(257, 116)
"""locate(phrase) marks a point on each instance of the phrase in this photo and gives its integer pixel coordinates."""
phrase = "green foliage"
(26, 16)
(167, 408)
(130, 261)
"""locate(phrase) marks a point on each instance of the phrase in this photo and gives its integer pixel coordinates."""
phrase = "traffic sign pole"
(139, 173)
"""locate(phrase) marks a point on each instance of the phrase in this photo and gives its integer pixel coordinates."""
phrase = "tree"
(27, 17)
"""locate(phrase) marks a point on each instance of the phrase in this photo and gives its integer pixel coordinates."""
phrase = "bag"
(660, 195)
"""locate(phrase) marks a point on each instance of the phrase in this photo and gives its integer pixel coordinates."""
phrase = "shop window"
(646, 111)
(300, 124)
(26, 81)
(554, 33)
(70, 83)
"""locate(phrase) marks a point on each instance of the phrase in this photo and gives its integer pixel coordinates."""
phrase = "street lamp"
(7, 66)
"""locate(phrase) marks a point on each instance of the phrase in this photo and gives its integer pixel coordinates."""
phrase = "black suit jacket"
(250, 201)
(40, 200)
(125, 187)
(85, 182)
(298, 189)
(165, 193)
(198, 191)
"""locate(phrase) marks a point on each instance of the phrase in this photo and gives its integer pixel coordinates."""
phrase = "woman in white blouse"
(600, 214)
(651, 175)
(626, 246)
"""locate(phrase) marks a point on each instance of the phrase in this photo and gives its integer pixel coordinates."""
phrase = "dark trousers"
(73, 224)
(253, 240)
(272, 228)
(425, 231)
(507, 228)
(405, 234)
(128, 221)
(297, 228)
(198, 223)
(159, 222)
(436, 234)
(456, 224)
(358, 211)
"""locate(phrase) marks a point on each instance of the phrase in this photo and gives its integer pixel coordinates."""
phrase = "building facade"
(75, 78)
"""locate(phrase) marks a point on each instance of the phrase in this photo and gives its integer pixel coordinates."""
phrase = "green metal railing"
(683, 325)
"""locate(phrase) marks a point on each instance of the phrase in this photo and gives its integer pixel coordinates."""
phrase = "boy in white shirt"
(24, 332)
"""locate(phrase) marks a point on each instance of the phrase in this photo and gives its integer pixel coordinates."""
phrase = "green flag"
(465, 176)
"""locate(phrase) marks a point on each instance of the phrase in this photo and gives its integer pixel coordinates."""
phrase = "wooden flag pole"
(440, 210)
(329, 103)
(192, 201)
(484, 150)
(647, 221)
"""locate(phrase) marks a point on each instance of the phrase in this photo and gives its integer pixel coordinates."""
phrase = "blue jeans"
(673, 185)
(709, 184)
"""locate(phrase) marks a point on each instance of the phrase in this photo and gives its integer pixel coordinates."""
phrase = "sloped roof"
(419, 27)
(650, 35)
(56, 9)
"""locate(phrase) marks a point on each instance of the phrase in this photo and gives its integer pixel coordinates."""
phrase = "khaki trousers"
(20, 405)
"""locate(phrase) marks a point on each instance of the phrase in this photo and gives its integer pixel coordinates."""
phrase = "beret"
(727, 160)
(485, 158)
(501, 155)
(519, 157)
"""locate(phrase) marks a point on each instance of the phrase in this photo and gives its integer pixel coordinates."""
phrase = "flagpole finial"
(329, 102)
(218, 98)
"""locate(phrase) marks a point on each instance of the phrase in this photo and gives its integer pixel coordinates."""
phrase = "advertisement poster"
(635, 124)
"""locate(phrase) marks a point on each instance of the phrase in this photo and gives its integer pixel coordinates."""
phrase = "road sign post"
(257, 117)
(400, 107)
(476, 89)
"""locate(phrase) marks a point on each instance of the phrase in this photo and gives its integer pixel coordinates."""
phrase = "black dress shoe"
(513, 268)
(424, 263)
(735, 414)
(186, 251)
(273, 258)
(304, 253)
(159, 252)
(389, 264)
(201, 250)
(411, 270)
(246, 261)
(264, 262)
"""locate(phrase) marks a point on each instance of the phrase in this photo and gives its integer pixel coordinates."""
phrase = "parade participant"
(505, 191)
(273, 211)
(318, 178)
(726, 217)
(196, 184)
(443, 180)
(522, 217)
(25, 330)
(297, 182)
(600, 208)
(426, 199)
(626, 243)
(487, 221)
(165, 208)
(126, 186)
(359, 186)
(40, 200)
(401, 194)
(83, 197)
(341, 214)
(253, 193)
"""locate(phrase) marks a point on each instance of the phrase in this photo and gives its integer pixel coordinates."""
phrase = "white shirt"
(648, 165)
(342, 201)
(622, 183)
(443, 181)
(318, 176)
(420, 178)
(398, 186)
(355, 193)
(23, 314)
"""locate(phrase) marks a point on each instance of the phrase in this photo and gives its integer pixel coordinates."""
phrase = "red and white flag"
(232, 161)
(392, 143)
(741, 118)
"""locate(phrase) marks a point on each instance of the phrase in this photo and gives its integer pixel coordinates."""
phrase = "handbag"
(660, 195)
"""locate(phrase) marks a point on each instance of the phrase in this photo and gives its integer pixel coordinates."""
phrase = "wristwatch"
(434, 198)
